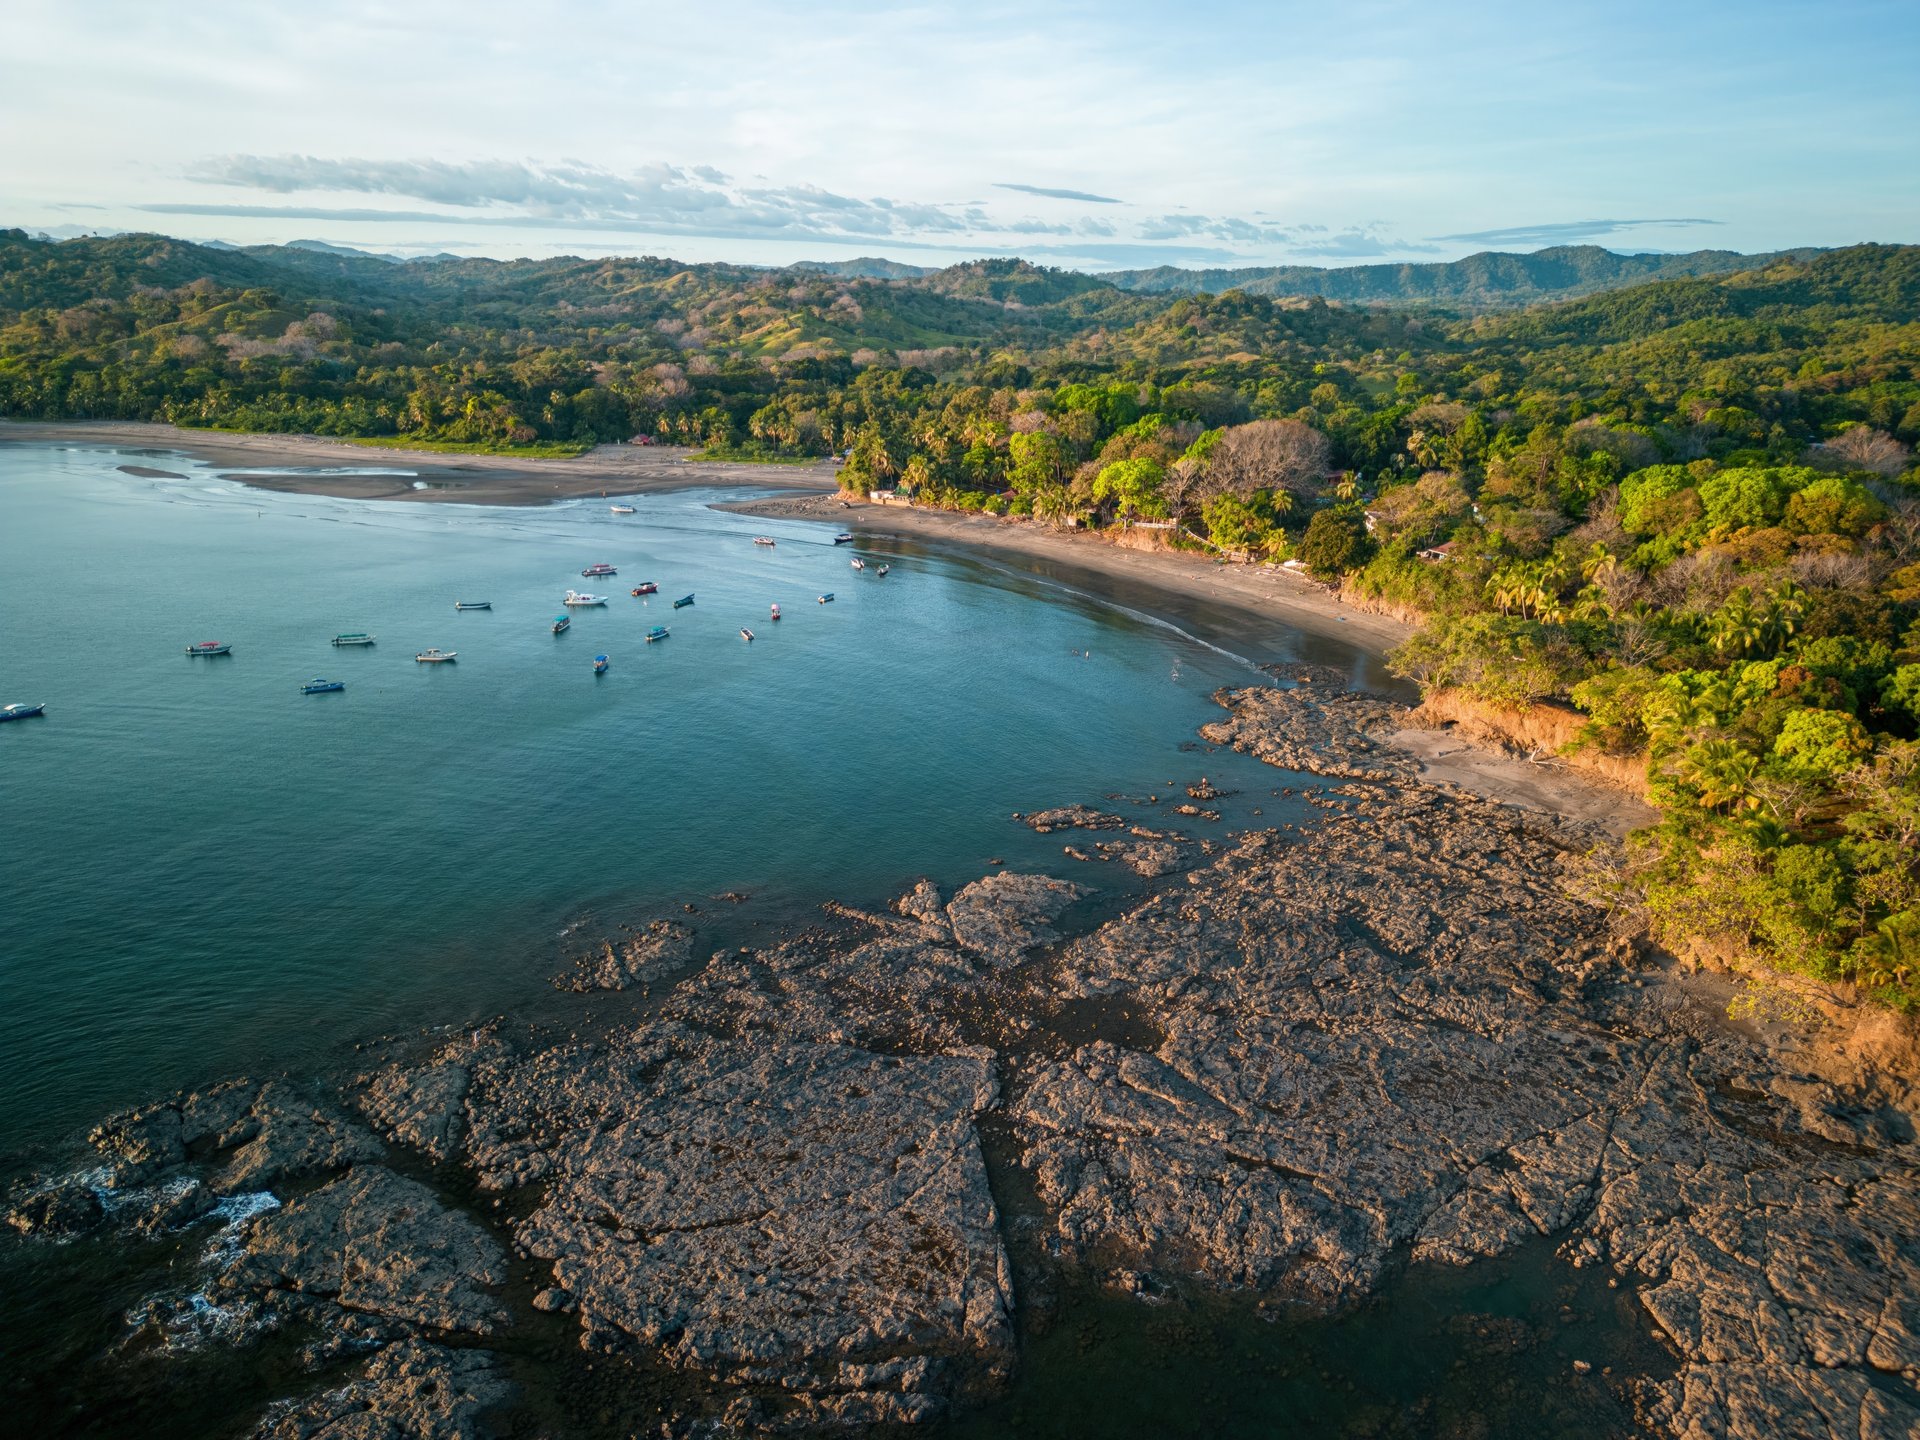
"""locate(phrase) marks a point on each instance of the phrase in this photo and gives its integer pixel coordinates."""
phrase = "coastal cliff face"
(1309, 1057)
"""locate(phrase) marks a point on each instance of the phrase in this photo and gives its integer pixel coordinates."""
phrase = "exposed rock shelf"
(1305, 1059)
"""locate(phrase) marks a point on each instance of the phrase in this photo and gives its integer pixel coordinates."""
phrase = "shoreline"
(1445, 757)
(609, 470)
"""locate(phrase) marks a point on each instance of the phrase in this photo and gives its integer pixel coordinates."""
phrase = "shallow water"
(206, 871)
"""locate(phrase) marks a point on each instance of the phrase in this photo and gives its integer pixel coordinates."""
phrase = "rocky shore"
(773, 1197)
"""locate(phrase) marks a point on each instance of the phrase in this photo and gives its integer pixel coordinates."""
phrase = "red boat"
(646, 587)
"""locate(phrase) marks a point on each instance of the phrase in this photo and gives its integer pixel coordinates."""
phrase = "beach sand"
(1446, 758)
(460, 479)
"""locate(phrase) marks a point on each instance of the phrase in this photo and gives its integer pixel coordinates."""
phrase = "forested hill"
(1688, 507)
(1489, 280)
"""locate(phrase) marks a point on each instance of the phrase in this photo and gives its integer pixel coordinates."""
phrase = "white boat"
(883, 569)
(436, 657)
(575, 598)
(857, 563)
(622, 509)
(357, 637)
(473, 604)
(745, 634)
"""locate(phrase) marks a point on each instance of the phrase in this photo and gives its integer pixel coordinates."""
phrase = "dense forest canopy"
(1687, 507)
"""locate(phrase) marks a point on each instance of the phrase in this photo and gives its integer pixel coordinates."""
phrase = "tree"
(1335, 542)
(1133, 486)
(1265, 455)
(1864, 448)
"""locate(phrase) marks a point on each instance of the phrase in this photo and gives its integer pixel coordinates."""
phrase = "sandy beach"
(432, 476)
(1262, 590)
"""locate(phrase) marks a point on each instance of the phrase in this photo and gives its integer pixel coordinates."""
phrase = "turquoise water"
(206, 871)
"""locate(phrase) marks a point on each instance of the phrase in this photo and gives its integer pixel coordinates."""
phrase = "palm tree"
(1721, 773)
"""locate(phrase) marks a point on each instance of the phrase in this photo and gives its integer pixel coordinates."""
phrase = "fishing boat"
(321, 687)
(355, 637)
(600, 663)
(601, 569)
(621, 509)
(763, 540)
(658, 632)
(436, 657)
(883, 569)
(826, 597)
(21, 711)
(845, 537)
(857, 563)
(210, 647)
(473, 604)
(746, 634)
(683, 602)
(561, 623)
(646, 587)
(776, 612)
(576, 599)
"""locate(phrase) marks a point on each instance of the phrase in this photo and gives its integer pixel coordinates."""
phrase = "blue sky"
(1076, 134)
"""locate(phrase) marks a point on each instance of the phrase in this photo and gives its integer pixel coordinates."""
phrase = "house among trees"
(1435, 553)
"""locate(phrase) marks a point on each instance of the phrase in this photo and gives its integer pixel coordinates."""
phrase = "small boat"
(776, 612)
(356, 637)
(21, 711)
(561, 623)
(322, 687)
(473, 604)
(600, 664)
(763, 540)
(845, 537)
(577, 599)
(682, 602)
(646, 587)
(436, 657)
(601, 569)
(658, 632)
(857, 563)
(621, 509)
(826, 597)
(210, 647)
(745, 634)
(883, 569)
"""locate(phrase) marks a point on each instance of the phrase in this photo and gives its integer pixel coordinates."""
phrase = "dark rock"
(662, 948)
(409, 1391)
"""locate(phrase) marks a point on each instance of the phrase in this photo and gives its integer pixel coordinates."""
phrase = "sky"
(1093, 136)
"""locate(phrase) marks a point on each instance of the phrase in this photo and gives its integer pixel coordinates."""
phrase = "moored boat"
(600, 663)
(436, 657)
(658, 632)
(473, 604)
(621, 509)
(776, 612)
(683, 602)
(745, 634)
(826, 597)
(210, 647)
(646, 587)
(883, 569)
(845, 537)
(560, 623)
(600, 569)
(763, 540)
(318, 686)
(857, 563)
(356, 637)
(577, 599)
(21, 711)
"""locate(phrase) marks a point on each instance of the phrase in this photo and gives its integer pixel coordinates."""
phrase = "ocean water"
(203, 871)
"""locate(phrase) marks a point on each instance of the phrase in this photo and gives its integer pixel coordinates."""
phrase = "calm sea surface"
(203, 870)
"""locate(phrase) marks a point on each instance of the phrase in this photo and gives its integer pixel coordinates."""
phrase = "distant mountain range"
(1491, 280)
(1488, 280)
